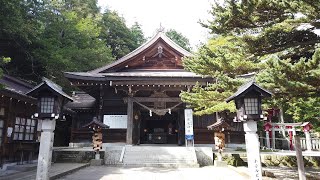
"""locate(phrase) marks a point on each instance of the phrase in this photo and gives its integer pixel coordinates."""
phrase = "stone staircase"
(157, 156)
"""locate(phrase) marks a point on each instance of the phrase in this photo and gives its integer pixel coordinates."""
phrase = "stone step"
(163, 165)
(159, 157)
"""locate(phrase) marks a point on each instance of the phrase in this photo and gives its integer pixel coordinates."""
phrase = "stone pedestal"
(220, 163)
(253, 149)
(97, 156)
(45, 151)
(96, 162)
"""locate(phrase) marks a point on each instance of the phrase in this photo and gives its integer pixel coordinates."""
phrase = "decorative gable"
(159, 52)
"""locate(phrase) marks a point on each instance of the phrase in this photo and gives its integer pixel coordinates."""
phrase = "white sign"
(115, 121)
(188, 123)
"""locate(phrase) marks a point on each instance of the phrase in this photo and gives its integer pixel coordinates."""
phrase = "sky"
(181, 15)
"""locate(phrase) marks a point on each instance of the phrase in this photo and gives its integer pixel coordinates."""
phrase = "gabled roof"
(53, 86)
(14, 84)
(159, 35)
(219, 125)
(95, 122)
(16, 89)
(82, 100)
(251, 85)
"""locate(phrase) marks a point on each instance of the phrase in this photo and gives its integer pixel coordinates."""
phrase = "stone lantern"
(248, 104)
(51, 99)
(96, 127)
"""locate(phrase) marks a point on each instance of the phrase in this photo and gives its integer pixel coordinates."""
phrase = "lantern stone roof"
(220, 124)
(249, 86)
(95, 122)
(52, 86)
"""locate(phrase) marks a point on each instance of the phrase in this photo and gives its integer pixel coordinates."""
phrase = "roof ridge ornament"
(160, 29)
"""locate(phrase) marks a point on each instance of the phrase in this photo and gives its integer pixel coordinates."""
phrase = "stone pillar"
(253, 149)
(273, 138)
(308, 140)
(45, 151)
(130, 121)
(268, 139)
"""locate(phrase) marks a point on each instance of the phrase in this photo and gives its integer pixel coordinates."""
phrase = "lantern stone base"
(220, 163)
(96, 162)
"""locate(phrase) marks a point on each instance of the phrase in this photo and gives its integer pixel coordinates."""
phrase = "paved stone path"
(57, 170)
(148, 173)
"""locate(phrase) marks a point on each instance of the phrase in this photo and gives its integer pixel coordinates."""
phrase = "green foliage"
(179, 38)
(118, 36)
(281, 39)
(223, 59)
(137, 34)
(47, 38)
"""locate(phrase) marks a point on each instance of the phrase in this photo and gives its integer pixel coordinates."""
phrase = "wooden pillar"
(130, 121)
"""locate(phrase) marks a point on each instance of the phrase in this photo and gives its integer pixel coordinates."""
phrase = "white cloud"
(181, 15)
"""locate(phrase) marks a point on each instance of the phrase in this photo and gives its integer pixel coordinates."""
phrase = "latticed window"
(47, 104)
(24, 129)
(251, 105)
(30, 129)
(19, 128)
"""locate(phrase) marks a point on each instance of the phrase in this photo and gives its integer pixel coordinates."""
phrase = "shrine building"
(137, 96)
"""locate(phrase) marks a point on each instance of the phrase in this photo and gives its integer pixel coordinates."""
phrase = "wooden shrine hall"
(137, 96)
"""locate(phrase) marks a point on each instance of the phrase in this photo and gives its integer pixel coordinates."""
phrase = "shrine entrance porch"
(157, 129)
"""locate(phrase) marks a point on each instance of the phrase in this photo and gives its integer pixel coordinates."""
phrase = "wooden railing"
(315, 143)
(284, 143)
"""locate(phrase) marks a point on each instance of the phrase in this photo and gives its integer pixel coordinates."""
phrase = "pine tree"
(282, 37)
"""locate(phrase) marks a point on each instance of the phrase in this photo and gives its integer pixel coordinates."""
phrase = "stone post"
(308, 140)
(45, 151)
(267, 139)
(273, 138)
(253, 149)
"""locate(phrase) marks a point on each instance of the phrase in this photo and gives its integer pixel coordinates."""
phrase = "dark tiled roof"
(16, 89)
(53, 86)
(14, 84)
(82, 100)
(168, 73)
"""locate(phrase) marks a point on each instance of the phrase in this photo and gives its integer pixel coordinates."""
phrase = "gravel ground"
(287, 173)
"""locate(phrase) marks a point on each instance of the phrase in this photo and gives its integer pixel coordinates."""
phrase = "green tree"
(118, 36)
(224, 59)
(20, 27)
(283, 36)
(47, 38)
(137, 34)
(179, 38)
